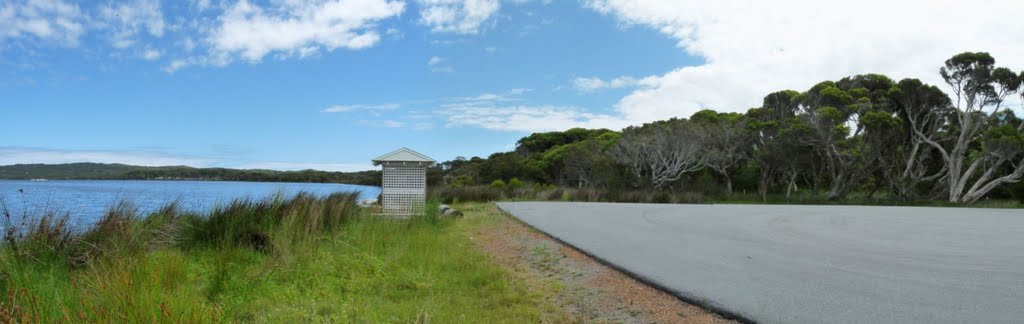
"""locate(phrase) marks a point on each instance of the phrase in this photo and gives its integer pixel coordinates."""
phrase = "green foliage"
(499, 184)
(1004, 135)
(515, 183)
(862, 133)
(541, 142)
(880, 120)
(360, 269)
(830, 113)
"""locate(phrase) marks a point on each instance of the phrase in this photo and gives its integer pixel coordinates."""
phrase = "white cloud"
(297, 27)
(435, 61)
(349, 108)
(19, 155)
(595, 84)
(510, 95)
(525, 118)
(386, 123)
(202, 5)
(151, 54)
(436, 64)
(127, 20)
(505, 112)
(457, 16)
(295, 166)
(175, 65)
(52, 21)
(752, 48)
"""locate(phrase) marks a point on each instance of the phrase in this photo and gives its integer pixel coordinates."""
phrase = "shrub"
(515, 183)
(499, 184)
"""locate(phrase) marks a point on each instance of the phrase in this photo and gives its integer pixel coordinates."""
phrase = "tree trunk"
(762, 188)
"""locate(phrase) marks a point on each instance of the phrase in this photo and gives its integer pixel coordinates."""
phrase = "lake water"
(86, 200)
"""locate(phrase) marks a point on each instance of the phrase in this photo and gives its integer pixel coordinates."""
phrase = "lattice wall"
(405, 189)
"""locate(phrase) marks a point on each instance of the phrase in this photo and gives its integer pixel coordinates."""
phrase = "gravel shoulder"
(582, 289)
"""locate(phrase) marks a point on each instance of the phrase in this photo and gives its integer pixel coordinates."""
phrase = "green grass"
(304, 259)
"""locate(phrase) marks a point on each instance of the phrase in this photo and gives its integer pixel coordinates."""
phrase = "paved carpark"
(809, 264)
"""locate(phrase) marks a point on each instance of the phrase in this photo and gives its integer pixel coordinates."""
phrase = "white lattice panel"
(404, 189)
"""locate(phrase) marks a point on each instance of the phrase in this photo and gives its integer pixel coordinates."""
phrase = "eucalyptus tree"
(767, 125)
(920, 109)
(663, 151)
(980, 153)
(587, 163)
(728, 143)
(848, 146)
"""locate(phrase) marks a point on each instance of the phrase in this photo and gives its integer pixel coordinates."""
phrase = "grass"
(301, 259)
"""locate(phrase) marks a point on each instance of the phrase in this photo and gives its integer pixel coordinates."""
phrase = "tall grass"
(129, 267)
(297, 259)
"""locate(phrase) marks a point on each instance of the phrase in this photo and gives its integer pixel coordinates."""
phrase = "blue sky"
(96, 97)
(329, 84)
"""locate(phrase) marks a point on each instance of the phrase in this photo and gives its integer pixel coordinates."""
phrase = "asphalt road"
(809, 264)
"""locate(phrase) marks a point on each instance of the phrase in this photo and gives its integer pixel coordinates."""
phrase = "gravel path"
(809, 264)
(581, 288)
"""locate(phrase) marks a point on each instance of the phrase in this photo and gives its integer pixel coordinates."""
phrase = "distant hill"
(102, 171)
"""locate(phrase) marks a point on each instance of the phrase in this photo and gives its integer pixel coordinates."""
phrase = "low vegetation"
(280, 259)
(534, 192)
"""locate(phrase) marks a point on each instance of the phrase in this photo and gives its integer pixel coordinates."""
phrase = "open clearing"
(809, 264)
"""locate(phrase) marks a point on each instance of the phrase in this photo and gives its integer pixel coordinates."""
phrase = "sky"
(331, 84)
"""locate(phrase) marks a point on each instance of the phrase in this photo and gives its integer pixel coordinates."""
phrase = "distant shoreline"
(101, 171)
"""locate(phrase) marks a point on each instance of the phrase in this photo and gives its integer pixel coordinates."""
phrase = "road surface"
(809, 264)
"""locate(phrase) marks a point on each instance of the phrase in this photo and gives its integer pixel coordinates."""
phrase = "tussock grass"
(296, 259)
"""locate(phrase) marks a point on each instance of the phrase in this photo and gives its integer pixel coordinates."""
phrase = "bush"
(515, 183)
(499, 184)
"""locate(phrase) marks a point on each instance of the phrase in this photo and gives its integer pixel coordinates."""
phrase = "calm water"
(85, 200)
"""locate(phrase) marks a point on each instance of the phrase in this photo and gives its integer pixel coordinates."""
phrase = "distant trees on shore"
(865, 133)
(100, 171)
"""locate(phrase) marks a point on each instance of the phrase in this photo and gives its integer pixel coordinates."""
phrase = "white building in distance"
(404, 189)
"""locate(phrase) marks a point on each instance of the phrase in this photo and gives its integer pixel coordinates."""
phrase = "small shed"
(404, 189)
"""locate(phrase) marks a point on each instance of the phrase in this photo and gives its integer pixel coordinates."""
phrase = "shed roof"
(402, 155)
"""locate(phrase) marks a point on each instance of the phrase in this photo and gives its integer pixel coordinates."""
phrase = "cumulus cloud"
(151, 54)
(506, 111)
(525, 118)
(456, 16)
(53, 21)
(752, 48)
(298, 28)
(127, 20)
(595, 84)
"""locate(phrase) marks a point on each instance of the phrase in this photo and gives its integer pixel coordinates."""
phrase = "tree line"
(92, 171)
(864, 133)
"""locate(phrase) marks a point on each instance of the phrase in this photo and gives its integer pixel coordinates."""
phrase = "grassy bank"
(273, 260)
(534, 192)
